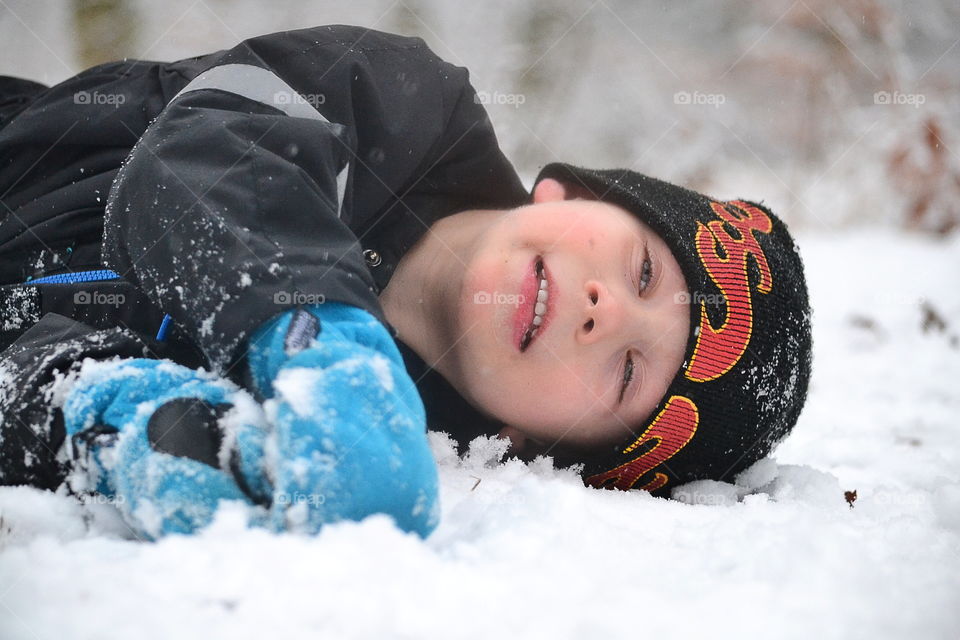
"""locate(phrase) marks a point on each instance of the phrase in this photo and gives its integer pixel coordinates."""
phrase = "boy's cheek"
(488, 303)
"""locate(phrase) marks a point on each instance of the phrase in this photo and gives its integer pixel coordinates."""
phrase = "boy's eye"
(627, 376)
(646, 274)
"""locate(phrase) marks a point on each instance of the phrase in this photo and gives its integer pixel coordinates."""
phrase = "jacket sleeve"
(228, 206)
(236, 203)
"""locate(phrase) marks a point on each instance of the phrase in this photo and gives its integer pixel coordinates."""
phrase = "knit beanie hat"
(747, 362)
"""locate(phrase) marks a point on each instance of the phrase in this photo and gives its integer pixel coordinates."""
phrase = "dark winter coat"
(226, 188)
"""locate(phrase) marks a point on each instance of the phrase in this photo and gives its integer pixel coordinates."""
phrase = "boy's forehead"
(627, 223)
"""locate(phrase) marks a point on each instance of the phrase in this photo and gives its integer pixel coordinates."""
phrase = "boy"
(270, 218)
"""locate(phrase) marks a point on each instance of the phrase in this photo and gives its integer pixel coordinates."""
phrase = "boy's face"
(605, 304)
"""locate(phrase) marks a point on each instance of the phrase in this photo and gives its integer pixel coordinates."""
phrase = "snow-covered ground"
(529, 552)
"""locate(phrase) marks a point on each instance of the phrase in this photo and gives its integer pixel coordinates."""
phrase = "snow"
(381, 369)
(525, 550)
(296, 387)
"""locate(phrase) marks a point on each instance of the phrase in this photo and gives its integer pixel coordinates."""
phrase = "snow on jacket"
(296, 166)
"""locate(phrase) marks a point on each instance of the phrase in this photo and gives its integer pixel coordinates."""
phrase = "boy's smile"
(566, 319)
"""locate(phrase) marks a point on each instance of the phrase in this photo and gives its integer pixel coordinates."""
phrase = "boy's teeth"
(540, 309)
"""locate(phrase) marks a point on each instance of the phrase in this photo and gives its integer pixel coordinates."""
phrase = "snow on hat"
(747, 362)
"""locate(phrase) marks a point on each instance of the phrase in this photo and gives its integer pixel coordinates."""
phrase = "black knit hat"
(747, 363)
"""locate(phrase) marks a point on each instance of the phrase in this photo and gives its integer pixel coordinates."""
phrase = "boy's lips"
(523, 316)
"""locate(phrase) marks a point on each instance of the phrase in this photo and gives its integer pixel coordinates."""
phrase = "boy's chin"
(524, 447)
(520, 444)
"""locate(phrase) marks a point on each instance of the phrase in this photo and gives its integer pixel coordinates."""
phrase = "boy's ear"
(550, 190)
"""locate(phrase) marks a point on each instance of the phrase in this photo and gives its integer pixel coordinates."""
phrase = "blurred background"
(837, 113)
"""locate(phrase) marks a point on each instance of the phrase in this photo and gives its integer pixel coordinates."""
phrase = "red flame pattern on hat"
(718, 350)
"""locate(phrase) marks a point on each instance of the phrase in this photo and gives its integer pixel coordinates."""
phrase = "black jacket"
(226, 188)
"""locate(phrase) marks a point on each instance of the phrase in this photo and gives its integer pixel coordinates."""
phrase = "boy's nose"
(603, 313)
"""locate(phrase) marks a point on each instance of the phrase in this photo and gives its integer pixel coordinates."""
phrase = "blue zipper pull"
(164, 326)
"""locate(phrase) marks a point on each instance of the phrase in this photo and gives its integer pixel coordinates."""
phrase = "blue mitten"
(349, 427)
(166, 442)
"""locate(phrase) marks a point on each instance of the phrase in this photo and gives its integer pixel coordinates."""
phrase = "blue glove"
(349, 427)
(165, 442)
